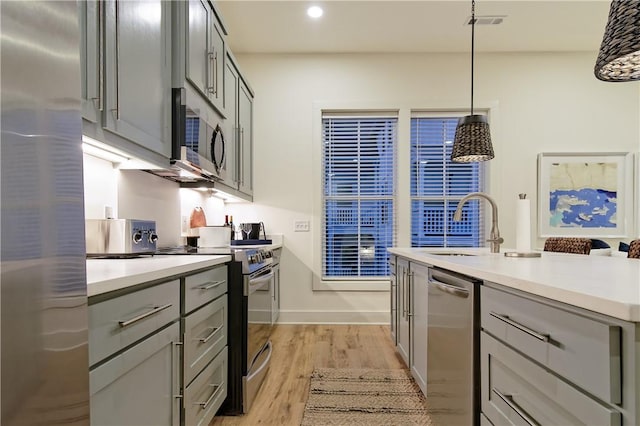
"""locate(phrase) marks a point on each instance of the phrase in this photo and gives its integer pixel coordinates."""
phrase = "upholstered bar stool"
(634, 249)
(568, 245)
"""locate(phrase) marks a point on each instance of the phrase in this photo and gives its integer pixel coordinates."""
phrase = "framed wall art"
(585, 194)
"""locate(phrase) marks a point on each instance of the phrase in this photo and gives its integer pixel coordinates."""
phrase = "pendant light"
(472, 142)
(619, 57)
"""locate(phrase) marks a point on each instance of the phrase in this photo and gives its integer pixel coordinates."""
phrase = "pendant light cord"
(473, 26)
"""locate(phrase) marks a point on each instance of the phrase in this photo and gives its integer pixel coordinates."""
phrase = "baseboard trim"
(333, 317)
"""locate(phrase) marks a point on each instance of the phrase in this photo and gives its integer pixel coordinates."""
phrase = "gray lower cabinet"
(393, 308)
(134, 361)
(515, 390)
(204, 355)
(138, 386)
(158, 351)
(404, 302)
(544, 362)
(126, 75)
(419, 275)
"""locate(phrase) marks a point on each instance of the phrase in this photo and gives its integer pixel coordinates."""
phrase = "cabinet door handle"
(99, 98)
(508, 399)
(205, 404)
(451, 289)
(117, 31)
(210, 285)
(241, 156)
(409, 298)
(215, 74)
(213, 333)
(533, 333)
(140, 317)
(210, 75)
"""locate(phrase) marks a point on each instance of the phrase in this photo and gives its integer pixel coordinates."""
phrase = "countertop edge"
(117, 281)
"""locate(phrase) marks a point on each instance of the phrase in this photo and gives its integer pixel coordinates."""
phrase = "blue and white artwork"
(583, 195)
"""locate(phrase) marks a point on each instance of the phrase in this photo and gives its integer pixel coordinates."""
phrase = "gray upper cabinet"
(91, 60)
(200, 47)
(238, 101)
(231, 82)
(126, 75)
(245, 124)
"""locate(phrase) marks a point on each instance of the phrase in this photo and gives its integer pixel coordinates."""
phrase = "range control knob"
(153, 237)
(137, 237)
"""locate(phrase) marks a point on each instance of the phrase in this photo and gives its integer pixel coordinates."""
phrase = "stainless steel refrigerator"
(43, 292)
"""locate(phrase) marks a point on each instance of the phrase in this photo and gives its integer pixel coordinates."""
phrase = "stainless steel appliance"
(199, 147)
(453, 308)
(43, 289)
(120, 237)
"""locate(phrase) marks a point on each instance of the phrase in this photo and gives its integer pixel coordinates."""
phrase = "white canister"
(214, 236)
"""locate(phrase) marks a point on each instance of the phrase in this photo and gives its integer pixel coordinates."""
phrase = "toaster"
(120, 237)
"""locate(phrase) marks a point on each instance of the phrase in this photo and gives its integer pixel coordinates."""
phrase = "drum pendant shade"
(619, 57)
(472, 142)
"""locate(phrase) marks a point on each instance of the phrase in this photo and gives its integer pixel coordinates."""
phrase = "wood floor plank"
(297, 350)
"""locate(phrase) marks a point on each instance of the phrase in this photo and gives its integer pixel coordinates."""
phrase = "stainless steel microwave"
(198, 145)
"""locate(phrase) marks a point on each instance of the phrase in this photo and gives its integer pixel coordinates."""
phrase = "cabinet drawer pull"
(210, 285)
(506, 319)
(140, 317)
(519, 411)
(205, 404)
(213, 333)
(451, 289)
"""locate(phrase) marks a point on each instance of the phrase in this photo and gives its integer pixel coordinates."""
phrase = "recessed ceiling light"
(315, 12)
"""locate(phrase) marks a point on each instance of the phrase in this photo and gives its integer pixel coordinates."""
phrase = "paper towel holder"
(522, 196)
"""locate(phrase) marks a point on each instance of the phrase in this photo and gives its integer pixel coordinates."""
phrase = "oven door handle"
(257, 283)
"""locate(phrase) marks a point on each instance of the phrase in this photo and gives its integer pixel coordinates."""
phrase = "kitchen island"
(603, 284)
(554, 339)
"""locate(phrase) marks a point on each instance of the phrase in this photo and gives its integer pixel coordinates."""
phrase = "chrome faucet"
(495, 239)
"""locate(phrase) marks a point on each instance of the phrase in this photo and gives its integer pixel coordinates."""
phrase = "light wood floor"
(298, 349)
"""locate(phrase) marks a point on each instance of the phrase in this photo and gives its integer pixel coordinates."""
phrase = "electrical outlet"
(301, 226)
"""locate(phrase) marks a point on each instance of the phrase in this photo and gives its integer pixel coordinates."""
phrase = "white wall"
(539, 103)
(135, 194)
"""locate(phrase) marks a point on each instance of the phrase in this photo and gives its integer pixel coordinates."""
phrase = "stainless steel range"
(251, 284)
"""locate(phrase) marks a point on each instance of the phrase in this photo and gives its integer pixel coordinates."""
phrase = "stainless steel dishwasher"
(453, 348)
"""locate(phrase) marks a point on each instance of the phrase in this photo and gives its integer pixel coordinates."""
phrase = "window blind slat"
(358, 188)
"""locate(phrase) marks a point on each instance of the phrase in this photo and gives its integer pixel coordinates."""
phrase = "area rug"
(364, 397)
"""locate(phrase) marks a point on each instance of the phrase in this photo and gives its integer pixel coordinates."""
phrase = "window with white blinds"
(358, 195)
(437, 184)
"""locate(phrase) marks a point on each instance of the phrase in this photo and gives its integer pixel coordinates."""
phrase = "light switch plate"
(301, 226)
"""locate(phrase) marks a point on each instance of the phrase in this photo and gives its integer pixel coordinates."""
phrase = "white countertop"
(105, 275)
(605, 284)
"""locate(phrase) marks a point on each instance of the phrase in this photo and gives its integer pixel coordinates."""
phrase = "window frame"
(446, 199)
(360, 199)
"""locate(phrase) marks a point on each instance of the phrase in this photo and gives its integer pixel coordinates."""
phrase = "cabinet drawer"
(204, 287)
(204, 396)
(116, 323)
(567, 343)
(137, 387)
(515, 390)
(205, 334)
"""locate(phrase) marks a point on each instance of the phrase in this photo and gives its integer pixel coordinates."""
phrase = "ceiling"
(361, 26)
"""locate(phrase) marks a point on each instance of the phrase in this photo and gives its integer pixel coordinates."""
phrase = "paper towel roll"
(523, 226)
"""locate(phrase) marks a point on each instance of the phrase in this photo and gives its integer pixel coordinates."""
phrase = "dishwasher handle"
(451, 289)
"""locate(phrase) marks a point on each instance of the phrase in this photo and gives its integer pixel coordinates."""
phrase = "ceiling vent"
(487, 20)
